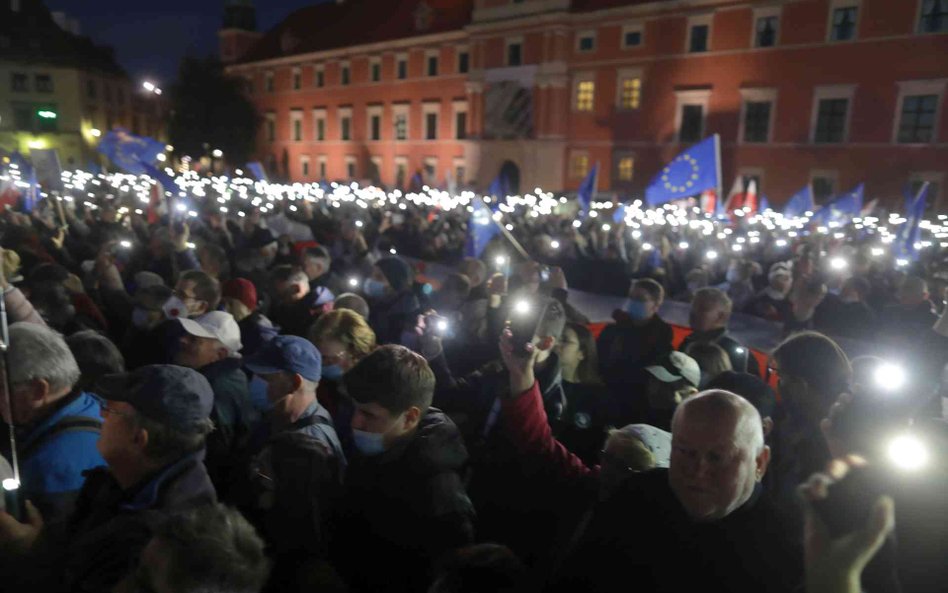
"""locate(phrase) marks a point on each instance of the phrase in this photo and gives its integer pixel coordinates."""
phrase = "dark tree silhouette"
(210, 111)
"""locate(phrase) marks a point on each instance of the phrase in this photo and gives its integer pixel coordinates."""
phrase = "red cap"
(243, 290)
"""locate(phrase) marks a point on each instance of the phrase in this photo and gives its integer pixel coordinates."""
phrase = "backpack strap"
(66, 425)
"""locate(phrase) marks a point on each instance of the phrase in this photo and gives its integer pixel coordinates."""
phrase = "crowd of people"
(246, 390)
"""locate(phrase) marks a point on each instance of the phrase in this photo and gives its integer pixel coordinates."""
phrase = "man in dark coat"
(702, 524)
(404, 504)
(394, 307)
(709, 316)
(210, 345)
(154, 425)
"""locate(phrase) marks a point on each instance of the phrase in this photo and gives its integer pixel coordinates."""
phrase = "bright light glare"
(889, 376)
(711, 254)
(442, 325)
(353, 282)
(126, 244)
(555, 244)
(10, 484)
(96, 132)
(907, 452)
(781, 243)
(500, 260)
(683, 245)
(577, 224)
(149, 86)
(522, 307)
(218, 153)
(838, 263)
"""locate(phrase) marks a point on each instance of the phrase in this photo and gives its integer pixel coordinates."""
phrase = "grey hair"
(749, 428)
(38, 352)
(716, 296)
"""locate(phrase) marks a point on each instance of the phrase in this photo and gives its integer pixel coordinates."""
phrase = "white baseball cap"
(676, 367)
(217, 325)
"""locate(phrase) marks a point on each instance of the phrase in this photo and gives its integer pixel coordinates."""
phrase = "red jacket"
(526, 426)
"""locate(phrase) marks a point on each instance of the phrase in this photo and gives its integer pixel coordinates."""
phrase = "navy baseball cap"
(178, 397)
(290, 354)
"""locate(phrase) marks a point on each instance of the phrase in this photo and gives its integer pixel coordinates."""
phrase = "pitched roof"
(346, 23)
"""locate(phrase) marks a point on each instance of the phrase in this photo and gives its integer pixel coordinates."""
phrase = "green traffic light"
(46, 114)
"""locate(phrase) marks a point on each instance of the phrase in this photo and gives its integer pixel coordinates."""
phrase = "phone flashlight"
(889, 376)
(125, 244)
(907, 452)
(354, 282)
(838, 264)
(11, 498)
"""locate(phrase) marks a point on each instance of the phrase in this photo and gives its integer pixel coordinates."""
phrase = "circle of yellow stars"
(691, 179)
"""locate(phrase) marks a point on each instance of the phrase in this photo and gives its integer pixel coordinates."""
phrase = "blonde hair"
(347, 327)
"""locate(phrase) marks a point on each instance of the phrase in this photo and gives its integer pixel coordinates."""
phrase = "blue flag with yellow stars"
(689, 174)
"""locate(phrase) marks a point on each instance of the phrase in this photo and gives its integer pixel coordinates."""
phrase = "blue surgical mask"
(369, 444)
(141, 318)
(636, 309)
(332, 372)
(373, 288)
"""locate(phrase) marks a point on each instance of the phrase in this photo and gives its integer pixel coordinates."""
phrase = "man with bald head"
(702, 524)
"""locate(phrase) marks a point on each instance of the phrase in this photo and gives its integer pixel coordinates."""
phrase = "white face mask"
(174, 308)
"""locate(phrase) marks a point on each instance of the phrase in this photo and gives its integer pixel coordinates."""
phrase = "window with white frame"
(832, 106)
(460, 120)
(464, 60)
(401, 171)
(351, 167)
(584, 92)
(460, 171)
(586, 41)
(578, 164)
(319, 124)
(514, 51)
(699, 33)
(430, 168)
(633, 35)
(319, 76)
(766, 26)
(376, 169)
(400, 121)
(304, 166)
(321, 164)
(271, 126)
(375, 69)
(843, 20)
(692, 106)
(296, 125)
(757, 115)
(401, 66)
(918, 115)
(624, 167)
(430, 114)
(297, 79)
(374, 116)
(823, 183)
(345, 123)
(933, 16)
(345, 73)
(431, 62)
(629, 89)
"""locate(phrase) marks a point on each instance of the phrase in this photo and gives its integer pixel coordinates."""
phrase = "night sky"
(150, 38)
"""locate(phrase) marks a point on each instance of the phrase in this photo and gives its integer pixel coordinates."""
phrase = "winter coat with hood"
(401, 510)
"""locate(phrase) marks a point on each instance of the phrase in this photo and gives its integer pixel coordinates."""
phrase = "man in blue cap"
(155, 421)
(294, 463)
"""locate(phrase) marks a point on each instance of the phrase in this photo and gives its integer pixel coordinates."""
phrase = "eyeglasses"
(184, 296)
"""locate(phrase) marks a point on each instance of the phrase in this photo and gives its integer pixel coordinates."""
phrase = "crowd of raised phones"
(293, 402)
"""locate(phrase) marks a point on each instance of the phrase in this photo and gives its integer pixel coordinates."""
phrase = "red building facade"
(828, 92)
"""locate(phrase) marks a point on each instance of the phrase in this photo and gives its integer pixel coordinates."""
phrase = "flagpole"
(717, 164)
(506, 233)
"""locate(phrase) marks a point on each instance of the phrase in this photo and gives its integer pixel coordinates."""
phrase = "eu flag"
(32, 195)
(800, 203)
(166, 181)
(909, 234)
(587, 189)
(690, 173)
(841, 208)
(480, 230)
(129, 151)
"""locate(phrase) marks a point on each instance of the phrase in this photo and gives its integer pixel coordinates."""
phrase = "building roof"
(593, 5)
(347, 23)
(31, 35)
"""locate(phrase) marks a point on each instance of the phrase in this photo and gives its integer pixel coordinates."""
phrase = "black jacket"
(94, 549)
(642, 539)
(390, 317)
(233, 415)
(625, 349)
(402, 510)
(742, 360)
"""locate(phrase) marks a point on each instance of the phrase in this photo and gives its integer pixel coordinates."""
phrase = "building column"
(475, 107)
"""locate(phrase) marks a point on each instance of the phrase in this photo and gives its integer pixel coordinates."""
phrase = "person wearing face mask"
(343, 339)
(394, 307)
(403, 502)
(638, 338)
(139, 343)
(771, 303)
(295, 462)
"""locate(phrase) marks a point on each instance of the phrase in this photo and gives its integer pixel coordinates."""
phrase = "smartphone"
(544, 273)
(524, 319)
